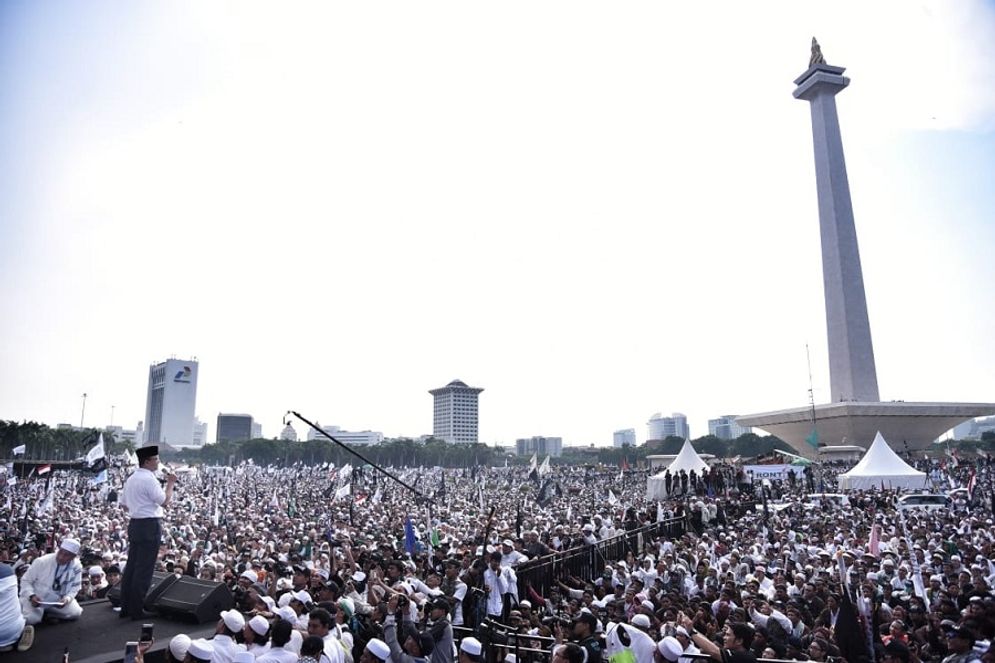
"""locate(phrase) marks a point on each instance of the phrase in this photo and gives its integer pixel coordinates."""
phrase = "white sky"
(594, 211)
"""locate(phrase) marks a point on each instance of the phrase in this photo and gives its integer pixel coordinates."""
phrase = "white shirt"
(224, 648)
(39, 579)
(333, 649)
(500, 584)
(143, 495)
(278, 655)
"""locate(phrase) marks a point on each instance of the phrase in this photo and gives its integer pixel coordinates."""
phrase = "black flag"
(850, 637)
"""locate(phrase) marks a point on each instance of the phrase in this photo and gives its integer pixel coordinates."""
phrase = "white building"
(454, 413)
(257, 430)
(726, 428)
(199, 432)
(660, 427)
(121, 434)
(345, 436)
(288, 434)
(624, 437)
(170, 404)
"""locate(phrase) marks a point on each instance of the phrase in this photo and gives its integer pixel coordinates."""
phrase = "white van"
(924, 501)
(832, 500)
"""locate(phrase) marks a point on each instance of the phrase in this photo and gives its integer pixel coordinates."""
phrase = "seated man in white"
(50, 585)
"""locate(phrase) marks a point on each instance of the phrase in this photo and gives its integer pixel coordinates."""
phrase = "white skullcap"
(233, 620)
(670, 648)
(378, 648)
(284, 600)
(286, 612)
(202, 649)
(471, 646)
(640, 620)
(259, 625)
(95, 571)
(303, 597)
(179, 645)
(70, 546)
(249, 575)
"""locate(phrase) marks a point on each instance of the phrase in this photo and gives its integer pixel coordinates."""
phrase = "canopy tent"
(879, 467)
(687, 460)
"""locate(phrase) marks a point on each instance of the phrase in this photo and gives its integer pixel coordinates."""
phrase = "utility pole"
(83, 412)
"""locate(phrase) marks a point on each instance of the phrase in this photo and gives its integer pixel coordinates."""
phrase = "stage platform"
(98, 636)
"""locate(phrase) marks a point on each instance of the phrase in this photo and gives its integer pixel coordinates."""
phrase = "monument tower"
(852, 375)
(855, 412)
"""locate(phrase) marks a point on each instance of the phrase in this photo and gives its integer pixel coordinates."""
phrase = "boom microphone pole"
(356, 454)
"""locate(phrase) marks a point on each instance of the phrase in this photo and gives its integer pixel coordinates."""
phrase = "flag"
(545, 493)
(44, 469)
(377, 496)
(132, 459)
(850, 638)
(813, 440)
(534, 476)
(611, 498)
(481, 495)
(275, 503)
(441, 492)
(345, 472)
(971, 483)
(344, 491)
(544, 468)
(409, 535)
(19, 451)
(659, 512)
(100, 478)
(46, 504)
(95, 459)
(534, 462)
(435, 538)
(874, 545)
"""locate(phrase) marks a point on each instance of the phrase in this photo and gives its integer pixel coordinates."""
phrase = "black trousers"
(143, 550)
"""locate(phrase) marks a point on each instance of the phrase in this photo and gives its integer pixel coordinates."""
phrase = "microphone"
(168, 472)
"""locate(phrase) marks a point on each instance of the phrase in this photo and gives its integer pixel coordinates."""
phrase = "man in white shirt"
(225, 646)
(498, 580)
(51, 583)
(143, 498)
(510, 556)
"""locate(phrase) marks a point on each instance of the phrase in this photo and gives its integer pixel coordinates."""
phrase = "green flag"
(435, 538)
(813, 439)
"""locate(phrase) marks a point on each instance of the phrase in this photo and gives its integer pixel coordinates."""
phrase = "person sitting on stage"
(51, 583)
(13, 629)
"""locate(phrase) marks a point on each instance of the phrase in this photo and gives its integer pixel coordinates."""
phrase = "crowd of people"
(344, 564)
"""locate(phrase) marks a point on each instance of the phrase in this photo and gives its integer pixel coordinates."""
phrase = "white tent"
(881, 466)
(687, 460)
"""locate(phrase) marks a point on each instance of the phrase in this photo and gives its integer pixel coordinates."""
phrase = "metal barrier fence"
(589, 561)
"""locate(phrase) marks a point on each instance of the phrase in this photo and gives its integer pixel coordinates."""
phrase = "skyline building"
(455, 413)
(543, 446)
(624, 437)
(726, 427)
(365, 437)
(288, 434)
(660, 427)
(200, 438)
(234, 427)
(170, 403)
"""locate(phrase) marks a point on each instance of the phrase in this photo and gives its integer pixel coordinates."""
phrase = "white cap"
(524, 604)
(670, 648)
(202, 649)
(249, 575)
(378, 648)
(233, 619)
(358, 576)
(259, 625)
(179, 645)
(640, 620)
(286, 612)
(70, 546)
(95, 570)
(471, 646)
(303, 597)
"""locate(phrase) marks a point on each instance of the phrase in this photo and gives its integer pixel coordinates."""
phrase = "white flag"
(345, 472)
(99, 479)
(46, 505)
(19, 451)
(344, 491)
(376, 496)
(132, 459)
(544, 468)
(611, 498)
(96, 453)
(534, 462)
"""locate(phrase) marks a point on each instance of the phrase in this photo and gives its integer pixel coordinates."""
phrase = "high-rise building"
(257, 430)
(544, 446)
(624, 438)
(199, 432)
(974, 428)
(454, 413)
(234, 427)
(726, 428)
(660, 427)
(170, 404)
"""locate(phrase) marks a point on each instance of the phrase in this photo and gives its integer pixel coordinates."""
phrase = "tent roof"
(882, 461)
(687, 460)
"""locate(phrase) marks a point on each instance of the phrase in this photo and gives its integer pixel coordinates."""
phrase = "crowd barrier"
(589, 561)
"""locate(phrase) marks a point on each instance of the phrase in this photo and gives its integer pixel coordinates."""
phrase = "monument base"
(906, 426)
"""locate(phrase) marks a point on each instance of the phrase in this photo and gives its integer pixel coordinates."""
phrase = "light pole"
(83, 412)
(112, 415)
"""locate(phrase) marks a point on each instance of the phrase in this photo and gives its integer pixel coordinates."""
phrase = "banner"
(759, 472)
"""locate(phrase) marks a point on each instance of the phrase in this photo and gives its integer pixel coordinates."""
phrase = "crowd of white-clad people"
(338, 565)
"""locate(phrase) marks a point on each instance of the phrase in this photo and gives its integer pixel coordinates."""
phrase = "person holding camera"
(583, 633)
(417, 647)
(438, 625)
(737, 639)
